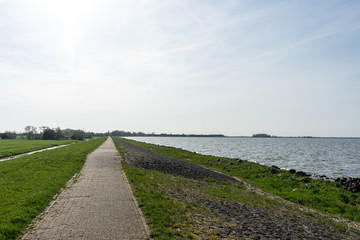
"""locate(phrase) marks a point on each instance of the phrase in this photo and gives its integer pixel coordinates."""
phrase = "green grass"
(28, 183)
(163, 214)
(18, 146)
(324, 196)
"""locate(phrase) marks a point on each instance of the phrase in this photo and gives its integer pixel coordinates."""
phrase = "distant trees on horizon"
(8, 135)
(46, 133)
(77, 135)
(262, 135)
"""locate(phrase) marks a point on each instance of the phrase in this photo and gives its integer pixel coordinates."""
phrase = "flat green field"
(28, 183)
(17, 146)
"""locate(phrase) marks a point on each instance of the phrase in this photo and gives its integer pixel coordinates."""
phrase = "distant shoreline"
(295, 137)
(224, 136)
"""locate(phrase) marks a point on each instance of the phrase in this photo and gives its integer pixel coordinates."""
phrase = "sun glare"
(72, 13)
(72, 17)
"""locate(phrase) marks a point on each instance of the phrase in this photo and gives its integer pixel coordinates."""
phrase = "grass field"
(17, 146)
(324, 196)
(28, 183)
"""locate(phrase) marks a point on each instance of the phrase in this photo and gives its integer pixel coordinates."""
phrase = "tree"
(49, 134)
(43, 128)
(59, 134)
(77, 135)
(120, 133)
(30, 131)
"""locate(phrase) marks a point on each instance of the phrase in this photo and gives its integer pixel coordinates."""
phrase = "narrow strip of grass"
(28, 184)
(18, 146)
(324, 196)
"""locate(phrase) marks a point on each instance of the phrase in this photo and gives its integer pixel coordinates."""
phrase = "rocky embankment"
(228, 219)
(143, 158)
(349, 183)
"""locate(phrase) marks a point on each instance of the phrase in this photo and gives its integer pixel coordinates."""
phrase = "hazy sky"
(288, 68)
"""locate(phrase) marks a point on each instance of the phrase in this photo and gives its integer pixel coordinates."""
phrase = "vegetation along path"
(99, 204)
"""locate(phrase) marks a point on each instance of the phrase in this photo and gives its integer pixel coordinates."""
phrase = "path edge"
(32, 224)
(143, 220)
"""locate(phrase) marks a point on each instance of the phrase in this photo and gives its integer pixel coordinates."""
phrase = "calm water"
(330, 157)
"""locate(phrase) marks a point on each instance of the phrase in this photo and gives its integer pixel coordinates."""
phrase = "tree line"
(46, 133)
(262, 135)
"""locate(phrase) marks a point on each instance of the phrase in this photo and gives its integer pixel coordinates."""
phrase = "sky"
(234, 67)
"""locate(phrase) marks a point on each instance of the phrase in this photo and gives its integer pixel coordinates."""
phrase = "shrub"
(77, 135)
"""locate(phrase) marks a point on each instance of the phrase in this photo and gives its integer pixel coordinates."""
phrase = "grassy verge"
(28, 184)
(17, 146)
(324, 196)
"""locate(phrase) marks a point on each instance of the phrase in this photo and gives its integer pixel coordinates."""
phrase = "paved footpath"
(98, 205)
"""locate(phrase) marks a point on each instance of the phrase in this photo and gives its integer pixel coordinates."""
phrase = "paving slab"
(99, 204)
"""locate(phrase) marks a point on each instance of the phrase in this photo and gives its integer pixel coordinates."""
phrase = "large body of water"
(333, 157)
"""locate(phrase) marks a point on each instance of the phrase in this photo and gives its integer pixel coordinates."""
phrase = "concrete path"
(98, 205)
